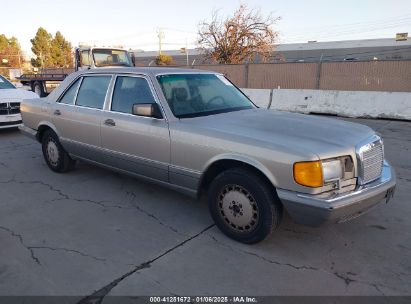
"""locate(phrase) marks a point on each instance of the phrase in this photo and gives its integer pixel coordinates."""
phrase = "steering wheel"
(221, 100)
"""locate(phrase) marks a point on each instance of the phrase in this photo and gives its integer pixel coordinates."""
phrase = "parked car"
(194, 131)
(10, 98)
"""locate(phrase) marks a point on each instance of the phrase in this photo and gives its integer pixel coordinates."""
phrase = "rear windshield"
(5, 84)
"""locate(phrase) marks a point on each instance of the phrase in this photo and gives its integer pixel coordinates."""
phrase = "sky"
(134, 24)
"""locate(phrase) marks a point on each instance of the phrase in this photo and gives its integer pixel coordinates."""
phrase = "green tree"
(10, 53)
(61, 51)
(51, 51)
(164, 59)
(238, 38)
(41, 47)
(4, 42)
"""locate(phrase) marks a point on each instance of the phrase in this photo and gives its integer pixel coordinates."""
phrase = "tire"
(244, 206)
(56, 157)
(38, 89)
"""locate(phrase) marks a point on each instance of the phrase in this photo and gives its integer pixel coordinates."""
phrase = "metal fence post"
(317, 85)
(320, 62)
(246, 74)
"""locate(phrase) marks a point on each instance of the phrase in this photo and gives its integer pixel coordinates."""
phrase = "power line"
(178, 30)
(345, 33)
(319, 29)
(342, 30)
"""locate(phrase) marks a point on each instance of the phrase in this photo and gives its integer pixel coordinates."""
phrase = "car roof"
(153, 71)
(148, 71)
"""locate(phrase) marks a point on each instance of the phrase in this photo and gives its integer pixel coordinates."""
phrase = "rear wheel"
(244, 206)
(54, 154)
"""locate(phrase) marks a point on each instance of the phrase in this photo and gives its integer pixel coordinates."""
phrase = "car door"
(140, 145)
(77, 116)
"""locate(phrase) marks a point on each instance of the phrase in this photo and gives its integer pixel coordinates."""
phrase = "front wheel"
(244, 206)
(54, 154)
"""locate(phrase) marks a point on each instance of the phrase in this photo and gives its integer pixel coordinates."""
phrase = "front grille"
(14, 111)
(9, 108)
(371, 160)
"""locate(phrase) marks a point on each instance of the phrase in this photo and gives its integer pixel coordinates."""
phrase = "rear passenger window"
(68, 97)
(129, 91)
(93, 91)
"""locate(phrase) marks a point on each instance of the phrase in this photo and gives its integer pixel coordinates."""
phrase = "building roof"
(140, 53)
(344, 44)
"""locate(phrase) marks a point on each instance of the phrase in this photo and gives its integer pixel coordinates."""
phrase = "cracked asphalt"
(92, 233)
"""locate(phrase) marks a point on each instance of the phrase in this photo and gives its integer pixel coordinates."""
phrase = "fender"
(48, 124)
(241, 158)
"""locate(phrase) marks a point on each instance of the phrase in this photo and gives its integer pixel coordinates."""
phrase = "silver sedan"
(194, 131)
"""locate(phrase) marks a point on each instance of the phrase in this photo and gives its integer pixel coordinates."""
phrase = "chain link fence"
(393, 76)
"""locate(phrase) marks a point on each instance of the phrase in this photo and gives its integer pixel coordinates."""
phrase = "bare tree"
(244, 36)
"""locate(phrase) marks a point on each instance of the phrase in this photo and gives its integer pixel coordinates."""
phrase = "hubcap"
(238, 208)
(52, 152)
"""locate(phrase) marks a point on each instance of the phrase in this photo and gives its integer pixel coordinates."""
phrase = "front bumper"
(315, 210)
(10, 121)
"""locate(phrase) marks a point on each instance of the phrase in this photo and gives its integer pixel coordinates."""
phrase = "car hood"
(16, 94)
(322, 136)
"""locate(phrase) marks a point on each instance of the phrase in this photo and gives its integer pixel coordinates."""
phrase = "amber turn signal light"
(309, 174)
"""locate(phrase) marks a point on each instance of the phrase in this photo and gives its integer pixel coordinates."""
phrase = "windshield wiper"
(207, 113)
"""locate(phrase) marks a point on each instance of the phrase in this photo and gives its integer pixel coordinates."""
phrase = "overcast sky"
(133, 24)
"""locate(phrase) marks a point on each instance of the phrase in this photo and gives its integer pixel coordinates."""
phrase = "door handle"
(57, 112)
(110, 122)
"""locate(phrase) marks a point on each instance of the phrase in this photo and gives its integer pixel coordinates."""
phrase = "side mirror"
(133, 58)
(147, 110)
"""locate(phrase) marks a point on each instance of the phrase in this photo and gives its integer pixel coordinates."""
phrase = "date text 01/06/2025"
(203, 299)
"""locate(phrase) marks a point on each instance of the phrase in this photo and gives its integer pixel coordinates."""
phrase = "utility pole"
(160, 38)
(19, 55)
(187, 51)
(184, 50)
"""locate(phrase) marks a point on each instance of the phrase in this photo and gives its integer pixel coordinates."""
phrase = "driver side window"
(129, 91)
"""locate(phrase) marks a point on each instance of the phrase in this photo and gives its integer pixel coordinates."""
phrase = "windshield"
(193, 95)
(5, 84)
(106, 57)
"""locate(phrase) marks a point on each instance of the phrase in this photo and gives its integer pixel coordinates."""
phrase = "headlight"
(317, 173)
(332, 170)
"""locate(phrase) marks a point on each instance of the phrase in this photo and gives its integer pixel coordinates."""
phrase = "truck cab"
(85, 58)
(93, 57)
